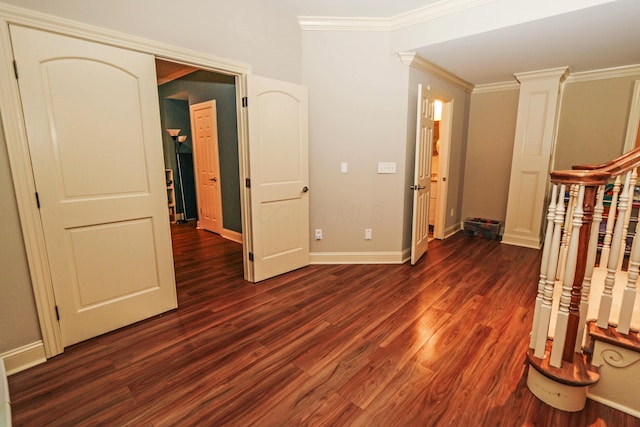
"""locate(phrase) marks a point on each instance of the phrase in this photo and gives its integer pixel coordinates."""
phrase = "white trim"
(614, 405)
(414, 60)
(18, 148)
(605, 73)
(234, 236)
(515, 240)
(634, 119)
(559, 73)
(357, 257)
(453, 229)
(496, 87)
(24, 357)
(397, 22)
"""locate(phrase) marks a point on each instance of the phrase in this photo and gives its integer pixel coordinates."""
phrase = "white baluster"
(607, 294)
(627, 218)
(566, 232)
(590, 263)
(611, 219)
(562, 320)
(629, 295)
(546, 249)
(547, 297)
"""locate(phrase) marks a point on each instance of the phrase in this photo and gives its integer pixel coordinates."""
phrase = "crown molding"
(496, 87)
(559, 73)
(414, 60)
(403, 20)
(606, 73)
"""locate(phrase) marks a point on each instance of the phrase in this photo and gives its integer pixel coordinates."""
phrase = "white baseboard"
(24, 357)
(452, 229)
(526, 242)
(232, 235)
(357, 257)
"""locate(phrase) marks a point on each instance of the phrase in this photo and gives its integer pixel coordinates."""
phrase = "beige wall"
(357, 114)
(492, 124)
(593, 121)
(18, 317)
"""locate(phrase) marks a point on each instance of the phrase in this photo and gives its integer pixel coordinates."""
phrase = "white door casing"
(206, 159)
(422, 175)
(279, 170)
(92, 122)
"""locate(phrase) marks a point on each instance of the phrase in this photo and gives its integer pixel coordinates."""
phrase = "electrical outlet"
(387, 167)
(368, 234)
(344, 167)
(318, 234)
(452, 212)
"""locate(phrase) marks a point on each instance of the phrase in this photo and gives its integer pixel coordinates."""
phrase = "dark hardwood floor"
(440, 343)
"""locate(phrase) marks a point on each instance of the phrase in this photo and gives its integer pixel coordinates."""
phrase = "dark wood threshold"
(611, 335)
(579, 373)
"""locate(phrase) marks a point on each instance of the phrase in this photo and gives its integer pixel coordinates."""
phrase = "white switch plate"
(386, 167)
(368, 234)
(344, 167)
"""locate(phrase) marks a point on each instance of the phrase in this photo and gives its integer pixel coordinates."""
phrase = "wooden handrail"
(584, 177)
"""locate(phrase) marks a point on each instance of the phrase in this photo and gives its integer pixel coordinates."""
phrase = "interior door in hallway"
(206, 163)
(93, 126)
(422, 176)
(279, 168)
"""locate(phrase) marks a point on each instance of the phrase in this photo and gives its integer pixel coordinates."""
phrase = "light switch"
(344, 167)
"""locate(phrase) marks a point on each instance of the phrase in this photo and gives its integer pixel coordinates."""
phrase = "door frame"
(19, 156)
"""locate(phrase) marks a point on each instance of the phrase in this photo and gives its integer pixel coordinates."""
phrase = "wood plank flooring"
(439, 344)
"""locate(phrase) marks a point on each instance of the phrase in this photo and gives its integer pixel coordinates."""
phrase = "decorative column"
(533, 145)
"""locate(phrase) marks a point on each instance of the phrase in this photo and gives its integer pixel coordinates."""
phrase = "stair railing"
(575, 214)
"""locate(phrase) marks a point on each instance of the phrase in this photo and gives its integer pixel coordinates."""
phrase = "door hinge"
(247, 182)
(37, 200)
(245, 102)
(15, 68)
(250, 256)
(57, 313)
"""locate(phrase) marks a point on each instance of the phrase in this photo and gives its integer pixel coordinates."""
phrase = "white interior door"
(92, 121)
(204, 127)
(279, 170)
(422, 176)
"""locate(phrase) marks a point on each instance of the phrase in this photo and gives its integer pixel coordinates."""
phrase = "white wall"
(357, 109)
(487, 16)
(249, 31)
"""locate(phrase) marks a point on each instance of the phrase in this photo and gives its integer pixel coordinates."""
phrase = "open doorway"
(443, 117)
(179, 87)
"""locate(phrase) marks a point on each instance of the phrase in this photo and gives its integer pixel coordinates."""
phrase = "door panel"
(92, 120)
(422, 174)
(206, 158)
(279, 168)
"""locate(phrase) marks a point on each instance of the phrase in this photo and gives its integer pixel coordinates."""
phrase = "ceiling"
(598, 37)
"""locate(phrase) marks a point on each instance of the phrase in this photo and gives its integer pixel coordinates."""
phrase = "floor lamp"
(178, 140)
